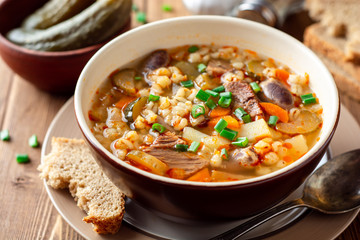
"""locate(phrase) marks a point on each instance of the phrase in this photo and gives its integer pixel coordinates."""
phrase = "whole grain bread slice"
(71, 165)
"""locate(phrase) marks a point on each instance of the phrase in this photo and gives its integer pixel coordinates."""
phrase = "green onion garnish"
(210, 104)
(273, 120)
(181, 147)
(241, 142)
(137, 78)
(158, 127)
(224, 154)
(308, 99)
(224, 102)
(201, 67)
(246, 118)
(187, 84)
(220, 125)
(197, 111)
(141, 17)
(228, 133)
(202, 95)
(33, 141)
(22, 158)
(167, 8)
(194, 146)
(255, 87)
(4, 135)
(212, 93)
(219, 89)
(242, 115)
(193, 49)
(226, 94)
(153, 98)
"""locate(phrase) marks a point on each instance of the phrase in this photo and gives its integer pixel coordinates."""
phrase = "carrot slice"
(273, 109)
(232, 122)
(125, 100)
(177, 173)
(201, 176)
(219, 111)
(282, 74)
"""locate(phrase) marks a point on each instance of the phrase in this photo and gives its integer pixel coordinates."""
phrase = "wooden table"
(25, 208)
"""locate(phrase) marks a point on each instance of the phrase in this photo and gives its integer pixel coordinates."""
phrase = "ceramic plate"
(142, 224)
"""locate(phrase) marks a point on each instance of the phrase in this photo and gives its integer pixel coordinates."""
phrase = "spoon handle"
(258, 220)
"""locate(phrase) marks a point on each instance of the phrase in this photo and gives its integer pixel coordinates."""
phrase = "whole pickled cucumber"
(54, 12)
(95, 24)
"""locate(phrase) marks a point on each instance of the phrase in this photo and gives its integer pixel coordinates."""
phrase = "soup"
(206, 113)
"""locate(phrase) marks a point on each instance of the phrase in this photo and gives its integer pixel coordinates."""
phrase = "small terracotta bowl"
(204, 200)
(55, 72)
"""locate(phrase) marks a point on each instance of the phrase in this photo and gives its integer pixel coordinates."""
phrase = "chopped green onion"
(224, 154)
(202, 95)
(224, 102)
(212, 93)
(246, 118)
(194, 146)
(273, 120)
(193, 49)
(308, 99)
(141, 17)
(197, 110)
(220, 125)
(187, 84)
(219, 89)
(228, 134)
(4, 135)
(201, 67)
(166, 8)
(210, 104)
(33, 141)
(158, 127)
(242, 115)
(181, 147)
(153, 98)
(241, 142)
(137, 78)
(255, 87)
(22, 158)
(226, 94)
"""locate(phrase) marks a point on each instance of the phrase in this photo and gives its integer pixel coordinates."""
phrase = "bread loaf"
(71, 165)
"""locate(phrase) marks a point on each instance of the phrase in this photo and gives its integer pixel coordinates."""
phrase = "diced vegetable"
(273, 109)
(241, 142)
(226, 94)
(204, 81)
(210, 104)
(219, 111)
(124, 80)
(148, 161)
(158, 127)
(298, 146)
(153, 98)
(212, 93)
(255, 66)
(201, 176)
(187, 84)
(22, 158)
(124, 101)
(242, 115)
(228, 134)
(188, 69)
(273, 120)
(219, 89)
(232, 122)
(202, 95)
(177, 173)
(4, 135)
(133, 109)
(194, 146)
(192, 134)
(255, 130)
(224, 102)
(282, 75)
(255, 87)
(305, 122)
(181, 147)
(193, 49)
(220, 125)
(201, 67)
(33, 141)
(224, 154)
(215, 142)
(197, 111)
(308, 99)
(220, 176)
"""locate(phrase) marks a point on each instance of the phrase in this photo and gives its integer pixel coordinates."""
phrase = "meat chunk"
(244, 97)
(217, 67)
(163, 149)
(240, 158)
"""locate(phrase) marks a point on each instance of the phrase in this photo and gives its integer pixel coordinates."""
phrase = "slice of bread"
(71, 165)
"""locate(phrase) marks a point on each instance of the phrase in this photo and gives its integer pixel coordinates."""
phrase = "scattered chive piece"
(187, 84)
(167, 8)
(194, 146)
(202, 95)
(197, 111)
(308, 99)
(212, 93)
(33, 141)
(255, 87)
(210, 104)
(158, 127)
(181, 147)
(137, 78)
(241, 142)
(219, 89)
(224, 102)
(134, 8)
(22, 158)
(220, 125)
(4, 135)
(226, 94)
(273, 120)
(242, 115)
(153, 98)
(228, 134)
(201, 67)
(246, 118)
(224, 154)
(141, 17)
(193, 49)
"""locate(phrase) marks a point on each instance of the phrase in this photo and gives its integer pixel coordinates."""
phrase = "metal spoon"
(333, 188)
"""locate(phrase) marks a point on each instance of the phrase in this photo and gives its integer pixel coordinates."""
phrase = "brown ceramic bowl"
(50, 71)
(179, 198)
